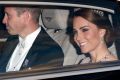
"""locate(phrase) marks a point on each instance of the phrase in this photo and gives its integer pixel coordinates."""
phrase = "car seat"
(55, 23)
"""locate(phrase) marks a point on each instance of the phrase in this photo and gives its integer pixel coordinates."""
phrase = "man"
(38, 48)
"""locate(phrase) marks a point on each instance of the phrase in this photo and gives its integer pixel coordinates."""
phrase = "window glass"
(88, 38)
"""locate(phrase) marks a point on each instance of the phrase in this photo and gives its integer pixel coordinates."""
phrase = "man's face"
(14, 23)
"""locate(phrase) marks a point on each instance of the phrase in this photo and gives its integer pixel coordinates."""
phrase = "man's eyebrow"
(5, 12)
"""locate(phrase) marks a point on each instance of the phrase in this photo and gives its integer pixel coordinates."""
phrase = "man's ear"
(27, 16)
(102, 32)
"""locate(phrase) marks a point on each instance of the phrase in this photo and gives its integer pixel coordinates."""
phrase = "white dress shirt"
(28, 41)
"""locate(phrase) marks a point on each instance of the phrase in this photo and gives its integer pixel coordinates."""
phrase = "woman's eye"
(84, 30)
(74, 31)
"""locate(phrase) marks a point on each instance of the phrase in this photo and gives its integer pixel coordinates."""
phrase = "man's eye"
(9, 16)
(84, 30)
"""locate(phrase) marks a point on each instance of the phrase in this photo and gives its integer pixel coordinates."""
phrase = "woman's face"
(86, 34)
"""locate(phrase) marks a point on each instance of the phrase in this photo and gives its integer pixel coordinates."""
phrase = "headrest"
(55, 18)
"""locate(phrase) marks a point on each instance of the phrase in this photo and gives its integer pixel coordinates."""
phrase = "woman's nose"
(79, 37)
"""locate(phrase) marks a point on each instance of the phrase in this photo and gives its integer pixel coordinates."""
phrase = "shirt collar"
(31, 37)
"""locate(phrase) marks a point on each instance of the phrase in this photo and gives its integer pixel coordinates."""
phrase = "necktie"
(21, 47)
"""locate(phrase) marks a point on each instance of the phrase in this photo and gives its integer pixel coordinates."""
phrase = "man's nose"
(4, 20)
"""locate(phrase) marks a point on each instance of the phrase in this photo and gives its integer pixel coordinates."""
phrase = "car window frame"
(67, 70)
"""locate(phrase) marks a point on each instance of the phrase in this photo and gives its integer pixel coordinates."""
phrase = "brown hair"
(98, 18)
(34, 11)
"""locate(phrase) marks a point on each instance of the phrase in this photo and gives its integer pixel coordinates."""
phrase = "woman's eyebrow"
(83, 27)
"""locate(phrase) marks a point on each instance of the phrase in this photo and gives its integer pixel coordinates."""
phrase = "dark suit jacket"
(43, 51)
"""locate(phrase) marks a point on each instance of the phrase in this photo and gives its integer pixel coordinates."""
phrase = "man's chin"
(11, 33)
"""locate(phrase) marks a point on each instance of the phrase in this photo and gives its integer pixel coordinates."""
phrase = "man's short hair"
(34, 11)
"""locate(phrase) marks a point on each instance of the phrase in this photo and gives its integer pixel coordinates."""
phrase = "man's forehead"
(9, 8)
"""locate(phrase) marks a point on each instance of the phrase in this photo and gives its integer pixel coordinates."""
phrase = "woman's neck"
(99, 53)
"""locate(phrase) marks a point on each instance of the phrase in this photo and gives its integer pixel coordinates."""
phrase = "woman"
(92, 31)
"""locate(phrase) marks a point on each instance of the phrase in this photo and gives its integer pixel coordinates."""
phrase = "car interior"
(57, 23)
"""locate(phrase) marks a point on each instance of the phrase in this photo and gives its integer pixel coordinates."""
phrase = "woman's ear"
(102, 32)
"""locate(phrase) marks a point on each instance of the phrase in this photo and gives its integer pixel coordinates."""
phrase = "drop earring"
(102, 40)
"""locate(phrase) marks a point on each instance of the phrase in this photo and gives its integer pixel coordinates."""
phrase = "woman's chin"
(84, 51)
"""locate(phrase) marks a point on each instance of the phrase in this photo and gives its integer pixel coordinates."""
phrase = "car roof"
(72, 3)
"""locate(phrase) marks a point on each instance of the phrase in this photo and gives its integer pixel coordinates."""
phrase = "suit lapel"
(31, 54)
(10, 46)
(8, 50)
(13, 46)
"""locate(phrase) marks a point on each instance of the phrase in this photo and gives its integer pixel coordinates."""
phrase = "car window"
(57, 20)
